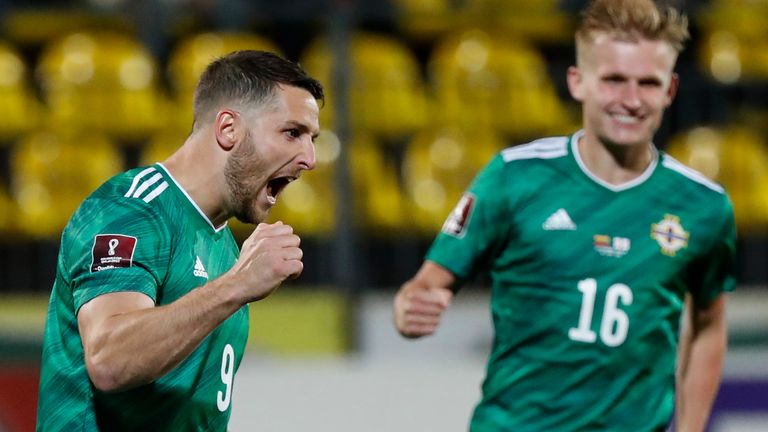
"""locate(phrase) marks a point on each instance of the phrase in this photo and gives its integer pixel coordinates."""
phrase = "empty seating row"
(107, 81)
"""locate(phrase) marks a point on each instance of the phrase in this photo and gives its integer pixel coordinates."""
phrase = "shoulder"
(689, 178)
(531, 159)
(129, 198)
(694, 188)
(540, 149)
(527, 166)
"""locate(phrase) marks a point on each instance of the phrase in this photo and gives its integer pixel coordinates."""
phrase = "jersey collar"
(612, 187)
(191, 201)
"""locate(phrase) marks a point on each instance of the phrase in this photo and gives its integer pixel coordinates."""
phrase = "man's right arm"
(421, 301)
(128, 341)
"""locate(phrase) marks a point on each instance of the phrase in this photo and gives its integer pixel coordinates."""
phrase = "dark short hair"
(249, 77)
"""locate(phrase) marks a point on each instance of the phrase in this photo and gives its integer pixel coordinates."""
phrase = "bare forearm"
(703, 347)
(700, 382)
(137, 347)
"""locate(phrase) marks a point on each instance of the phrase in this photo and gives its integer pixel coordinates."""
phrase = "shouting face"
(278, 145)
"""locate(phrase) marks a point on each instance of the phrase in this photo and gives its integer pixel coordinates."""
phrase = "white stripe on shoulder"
(545, 148)
(156, 191)
(144, 186)
(136, 180)
(677, 166)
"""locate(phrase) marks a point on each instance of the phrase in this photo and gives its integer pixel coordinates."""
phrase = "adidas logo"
(200, 269)
(559, 221)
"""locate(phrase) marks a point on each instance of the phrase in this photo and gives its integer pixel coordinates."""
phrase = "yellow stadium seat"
(736, 157)
(735, 40)
(379, 202)
(439, 165)
(540, 20)
(190, 57)
(53, 172)
(102, 81)
(20, 111)
(425, 19)
(386, 90)
(162, 145)
(480, 79)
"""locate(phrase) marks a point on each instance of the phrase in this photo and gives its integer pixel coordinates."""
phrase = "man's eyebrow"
(301, 127)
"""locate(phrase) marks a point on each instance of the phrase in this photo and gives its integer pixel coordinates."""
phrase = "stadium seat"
(539, 21)
(161, 145)
(20, 110)
(425, 20)
(386, 89)
(379, 202)
(480, 79)
(103, 81)
(735, 40)
(736, 157)
(192, 54)
(53, 172)
(439, 165)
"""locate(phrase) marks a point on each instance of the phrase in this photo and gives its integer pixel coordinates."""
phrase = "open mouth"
(277, 184)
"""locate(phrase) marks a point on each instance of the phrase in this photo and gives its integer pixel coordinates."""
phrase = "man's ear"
(575, 79)
(226, 128)
(672, 90)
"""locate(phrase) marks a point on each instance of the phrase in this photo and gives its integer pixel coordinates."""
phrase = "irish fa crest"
(669, 234)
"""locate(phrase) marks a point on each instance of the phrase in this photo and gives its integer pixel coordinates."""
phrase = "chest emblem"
(670, 235)
(199, 270)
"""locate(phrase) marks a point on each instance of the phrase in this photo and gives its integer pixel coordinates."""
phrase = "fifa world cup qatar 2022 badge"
(112, 251)
(457, 221)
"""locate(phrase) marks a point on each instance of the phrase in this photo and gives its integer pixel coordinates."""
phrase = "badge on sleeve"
(112, 251)
(457, 221)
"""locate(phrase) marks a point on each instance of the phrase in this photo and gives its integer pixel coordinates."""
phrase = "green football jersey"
(588, 284)
(141, 232)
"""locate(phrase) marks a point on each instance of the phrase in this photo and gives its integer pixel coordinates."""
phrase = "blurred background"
(420, 94)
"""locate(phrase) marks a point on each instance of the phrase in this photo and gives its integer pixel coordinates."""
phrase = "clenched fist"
(418, 308)
(270, 255)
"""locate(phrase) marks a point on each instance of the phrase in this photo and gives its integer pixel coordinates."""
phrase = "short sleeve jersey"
(588, 284)
(141, 232)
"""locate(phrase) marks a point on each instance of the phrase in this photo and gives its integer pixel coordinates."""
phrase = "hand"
(270, 255)
(418, 309)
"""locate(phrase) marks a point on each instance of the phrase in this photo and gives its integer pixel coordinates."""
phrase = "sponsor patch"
(457, 221)
(112, 251)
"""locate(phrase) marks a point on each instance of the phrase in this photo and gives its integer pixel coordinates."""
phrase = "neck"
(614, 164)
(197, 171)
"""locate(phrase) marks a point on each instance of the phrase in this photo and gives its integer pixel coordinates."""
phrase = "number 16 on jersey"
(614, 324)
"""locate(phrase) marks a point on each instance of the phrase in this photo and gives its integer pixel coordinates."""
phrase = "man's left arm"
(703, 342)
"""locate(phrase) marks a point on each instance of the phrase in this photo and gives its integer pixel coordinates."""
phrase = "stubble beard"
(241, 175)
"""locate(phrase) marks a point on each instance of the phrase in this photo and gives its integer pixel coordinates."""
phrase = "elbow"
(105, 375)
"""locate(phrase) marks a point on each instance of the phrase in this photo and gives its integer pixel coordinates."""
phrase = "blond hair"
(633, 20)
